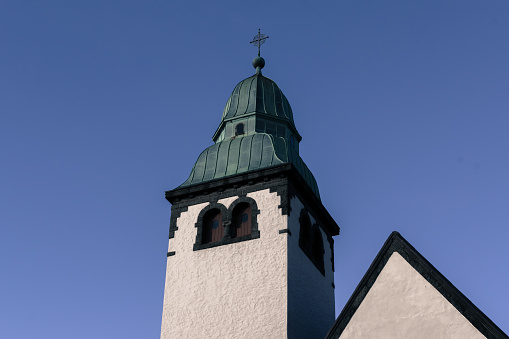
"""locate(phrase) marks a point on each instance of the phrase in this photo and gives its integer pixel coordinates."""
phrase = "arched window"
(243, 213)
(218, 226)
(310, 241)
(317, 247)
(241, 218)
(213, 229)
(239, 129)
(305, 232)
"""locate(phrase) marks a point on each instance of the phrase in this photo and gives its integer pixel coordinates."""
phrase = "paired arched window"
(311, 241)
(241, 218)
(213, 228)
(217, 225)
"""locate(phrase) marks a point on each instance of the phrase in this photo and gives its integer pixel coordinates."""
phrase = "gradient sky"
(403, 107)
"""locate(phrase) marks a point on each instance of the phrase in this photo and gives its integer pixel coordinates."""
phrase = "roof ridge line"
(397, 243)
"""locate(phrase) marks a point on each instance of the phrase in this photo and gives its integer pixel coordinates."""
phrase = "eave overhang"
(285, 171)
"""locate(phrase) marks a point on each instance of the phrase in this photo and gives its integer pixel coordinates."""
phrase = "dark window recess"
(213, 229)
(239, 129)
(217, 226)
(241, 218)
(292, 141)
(305, 232)
(310, 241)
(317, 247)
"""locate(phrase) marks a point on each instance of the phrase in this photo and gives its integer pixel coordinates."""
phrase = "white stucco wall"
(402, 304)
(232, 291)
(310, 294)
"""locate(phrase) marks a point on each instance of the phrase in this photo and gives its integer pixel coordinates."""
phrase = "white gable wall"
(403, 304)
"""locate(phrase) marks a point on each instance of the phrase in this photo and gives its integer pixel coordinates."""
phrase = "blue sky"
(403, 107)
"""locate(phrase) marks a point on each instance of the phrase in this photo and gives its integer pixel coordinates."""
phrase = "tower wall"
(311, 311)
(221, 280)
(238, 290)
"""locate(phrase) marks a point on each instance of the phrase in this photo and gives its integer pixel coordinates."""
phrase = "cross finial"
(258, 40)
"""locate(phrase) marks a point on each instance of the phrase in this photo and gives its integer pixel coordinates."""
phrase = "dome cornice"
(259, 115)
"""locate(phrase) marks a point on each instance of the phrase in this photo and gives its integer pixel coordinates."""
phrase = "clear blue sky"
(403, 107)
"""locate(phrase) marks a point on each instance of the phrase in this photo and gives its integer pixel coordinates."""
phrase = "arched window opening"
(239, 129)
(241, 217)
(311, 241)
(305, 232)
(217, 225)
(213, 229)
(317, 247)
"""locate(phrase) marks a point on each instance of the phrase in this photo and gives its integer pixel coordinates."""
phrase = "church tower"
(250, 250)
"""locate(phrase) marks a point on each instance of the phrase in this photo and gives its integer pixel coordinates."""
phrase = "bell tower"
(250, 251)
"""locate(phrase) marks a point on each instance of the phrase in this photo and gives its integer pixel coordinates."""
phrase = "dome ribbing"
(257, 131)
(258, 94)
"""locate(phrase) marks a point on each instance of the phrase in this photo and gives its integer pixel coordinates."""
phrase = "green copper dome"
(256, 131)
(260, 95)
(257, 96)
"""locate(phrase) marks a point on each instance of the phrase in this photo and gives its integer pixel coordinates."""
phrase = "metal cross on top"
(258, 40)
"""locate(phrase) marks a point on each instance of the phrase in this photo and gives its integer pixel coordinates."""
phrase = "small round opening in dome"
(239, 129)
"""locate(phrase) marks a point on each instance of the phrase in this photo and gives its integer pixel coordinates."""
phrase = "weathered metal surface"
(258, 94)
(268, 137)
(244, 154)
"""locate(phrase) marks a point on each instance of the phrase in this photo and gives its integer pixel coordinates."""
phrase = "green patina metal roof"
(247, 153)
(270, 138)
(258, 94)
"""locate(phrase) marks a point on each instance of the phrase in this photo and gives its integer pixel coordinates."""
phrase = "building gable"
(403, 296)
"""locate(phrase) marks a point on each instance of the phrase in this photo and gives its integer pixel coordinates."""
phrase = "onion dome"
(257, 97)
(256, 131)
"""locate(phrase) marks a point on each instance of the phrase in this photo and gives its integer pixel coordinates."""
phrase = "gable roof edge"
(396, 243)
